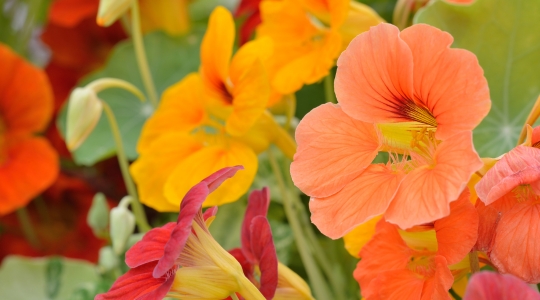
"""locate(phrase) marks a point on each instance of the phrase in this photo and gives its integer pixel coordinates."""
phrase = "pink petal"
(492, 286)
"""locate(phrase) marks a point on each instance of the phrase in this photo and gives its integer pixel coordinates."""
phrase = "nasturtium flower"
(510, 212)
(28, 163)
(492, 286)
(182, 260)
(308, 36)
(419, 263)
(250, 10)
(258, 257)
(407, 94)
(207, 121)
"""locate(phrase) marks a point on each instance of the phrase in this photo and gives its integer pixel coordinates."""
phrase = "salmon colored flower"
(510, 212)
(420, 263)
(492, 286)
(407, 94)
(258, 254)
(209, 121)
(182, 260)
(28, 163)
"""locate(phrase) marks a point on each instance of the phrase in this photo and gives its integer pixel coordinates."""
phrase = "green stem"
(234, 297)
(141, 54)
(317, 280)
(136, 205)
(28, 229)
(329, 88)
(473, 261)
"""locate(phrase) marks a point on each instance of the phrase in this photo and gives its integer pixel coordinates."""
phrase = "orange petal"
(333, 149)
(488, 220)
(448, 82)
(457, 233)
(29, 168)
(365, 197)
(69, 13)
(217, 47)
(154, 166)
(426, 192)
(516, 249)
(26, 99)
(374, 76)
(181, 110)
(535, 136)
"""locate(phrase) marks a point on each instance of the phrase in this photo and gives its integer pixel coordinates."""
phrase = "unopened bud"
(122, 225)
(111, 10)
(83, 113)
(98, 215)
(108, 260)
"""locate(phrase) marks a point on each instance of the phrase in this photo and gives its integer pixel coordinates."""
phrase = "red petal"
(151, 247)
(263, 249)
(257, 206)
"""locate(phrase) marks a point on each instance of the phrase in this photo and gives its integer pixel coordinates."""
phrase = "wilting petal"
(519, 166)
(26, 99)
(138, 283)
(374, 80)
(516, 249)
(206, 161)
(154, 166)
(217, 47)
(333, 149)
(180, 109)
(150, 248)
(457, 233)
(357, 238)
(365, 197)
(264, 251)
(258, 203)
(426, 192)
(28, 168)
(492, 286)
(488, 220)
(448, 82)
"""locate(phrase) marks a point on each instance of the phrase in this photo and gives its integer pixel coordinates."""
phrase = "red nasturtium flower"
(28, 164)
(250, 9)
(407, 94)
(493, 286)
(510, 212)
(419, 263)
(182, 260)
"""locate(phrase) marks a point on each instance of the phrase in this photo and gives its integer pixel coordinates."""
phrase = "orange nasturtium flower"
(308, 36)
(422, 262)
(407, 94)
(28, 163)
(210, 120)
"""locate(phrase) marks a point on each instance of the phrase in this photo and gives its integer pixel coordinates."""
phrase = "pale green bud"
(122, 225)
(108, 260)
(111, 10)
(83, 113)
(98, 215)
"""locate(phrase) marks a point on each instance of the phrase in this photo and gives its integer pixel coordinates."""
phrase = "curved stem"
(141, 54)
(329, 88)
(317, 280)
(234, 297)
(101, 84)
(473, 261)
(136, 205)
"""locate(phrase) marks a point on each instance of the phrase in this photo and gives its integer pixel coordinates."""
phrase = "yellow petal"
(290, 285)
(259, 49)
(169, 16)
(154, 166)
(207, 161)
(216, 47)
(180, 110)
(357, 238)
(205, 282)
(359, 18)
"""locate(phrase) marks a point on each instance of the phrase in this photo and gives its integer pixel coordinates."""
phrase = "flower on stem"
(210, 120)
(510, 211)
(182, 260)
(419, 101)
(492, 286)
(28, 163)
(422, 262)
(258, 254)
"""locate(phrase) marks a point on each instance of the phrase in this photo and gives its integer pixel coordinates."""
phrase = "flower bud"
(108, 260)
(122, 225)
(111, 10)
(98, 215)
(83, 113)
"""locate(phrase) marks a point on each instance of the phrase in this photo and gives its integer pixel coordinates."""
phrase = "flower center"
(525, 192)
(422, 264)
(416, 113)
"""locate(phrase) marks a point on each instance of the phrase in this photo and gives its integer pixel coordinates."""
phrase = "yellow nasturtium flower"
(308, 37)
(210, 120)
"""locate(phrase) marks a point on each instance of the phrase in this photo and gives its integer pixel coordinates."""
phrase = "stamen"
(416, 113)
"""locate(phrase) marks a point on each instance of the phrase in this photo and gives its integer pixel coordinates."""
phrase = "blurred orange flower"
(28, 164)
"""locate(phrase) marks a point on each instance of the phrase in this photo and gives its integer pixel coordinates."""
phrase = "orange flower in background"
(28, 164)
(420, 263)
(407, 94)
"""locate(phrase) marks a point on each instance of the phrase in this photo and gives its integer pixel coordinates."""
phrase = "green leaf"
(170, 59)
(43, 278)
(504, 36)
